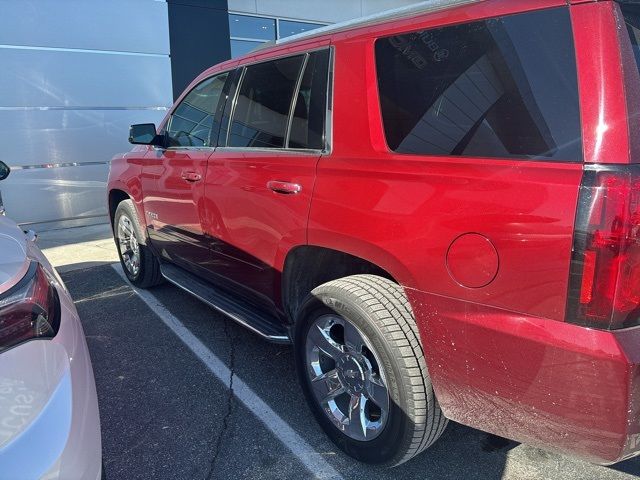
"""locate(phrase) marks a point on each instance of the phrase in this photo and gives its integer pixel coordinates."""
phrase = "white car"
(49, 422)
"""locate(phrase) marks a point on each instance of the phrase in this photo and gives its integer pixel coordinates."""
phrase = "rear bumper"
(542, 382)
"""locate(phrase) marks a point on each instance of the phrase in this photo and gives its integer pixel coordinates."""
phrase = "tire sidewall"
(391, 442)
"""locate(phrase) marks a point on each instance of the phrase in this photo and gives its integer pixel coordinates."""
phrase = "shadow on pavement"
(631, 466)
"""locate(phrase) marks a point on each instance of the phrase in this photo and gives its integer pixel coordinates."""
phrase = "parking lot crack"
(230, 400)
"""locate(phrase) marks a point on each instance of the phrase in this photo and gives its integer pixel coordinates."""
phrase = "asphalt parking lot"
(185, 393)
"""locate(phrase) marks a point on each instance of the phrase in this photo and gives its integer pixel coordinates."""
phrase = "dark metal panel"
(199, 38)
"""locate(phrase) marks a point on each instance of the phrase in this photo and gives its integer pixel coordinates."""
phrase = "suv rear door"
(260, 180)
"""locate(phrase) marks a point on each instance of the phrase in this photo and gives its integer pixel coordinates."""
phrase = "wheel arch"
(307, 266)
(115, 197)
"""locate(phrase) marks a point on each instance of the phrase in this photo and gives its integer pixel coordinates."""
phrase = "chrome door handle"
(191, 176)
(286, 188)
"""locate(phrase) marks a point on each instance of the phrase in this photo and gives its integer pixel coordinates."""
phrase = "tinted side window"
(505, 87)
(307, 124)
(260, 118)
(191, 123)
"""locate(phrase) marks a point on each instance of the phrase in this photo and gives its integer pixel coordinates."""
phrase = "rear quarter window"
(504, 87)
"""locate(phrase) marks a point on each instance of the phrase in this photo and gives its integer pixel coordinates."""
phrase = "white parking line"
(311, 459)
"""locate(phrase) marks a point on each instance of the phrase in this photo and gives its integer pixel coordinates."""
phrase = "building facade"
(76, 74)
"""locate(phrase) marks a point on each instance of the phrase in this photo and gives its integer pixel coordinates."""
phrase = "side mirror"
(4, 170)
(144, 134)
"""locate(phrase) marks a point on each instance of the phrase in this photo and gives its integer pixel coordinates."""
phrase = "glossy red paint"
(603, 104)
(500, 355)
(173, 182)
(125, 179)
(472, 260)
(256, 227)
(546, 383)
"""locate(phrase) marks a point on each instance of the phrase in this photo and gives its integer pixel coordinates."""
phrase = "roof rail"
(393, 14)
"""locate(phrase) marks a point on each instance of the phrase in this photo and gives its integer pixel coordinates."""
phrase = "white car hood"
(14, 262)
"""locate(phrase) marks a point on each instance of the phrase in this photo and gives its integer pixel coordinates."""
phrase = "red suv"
(440, 209)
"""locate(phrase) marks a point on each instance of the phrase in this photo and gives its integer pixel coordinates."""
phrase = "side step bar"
(266, 326)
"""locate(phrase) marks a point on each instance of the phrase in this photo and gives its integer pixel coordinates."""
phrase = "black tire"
(380, 310)
(148, 274)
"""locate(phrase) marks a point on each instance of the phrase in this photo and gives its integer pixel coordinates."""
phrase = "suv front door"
(174, 177)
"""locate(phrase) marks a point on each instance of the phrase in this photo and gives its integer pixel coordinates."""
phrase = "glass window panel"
(288, 28)
(264, 100)
(252, 27)
(307, 126)
(242, 47)
(504, 87)
(191, 123)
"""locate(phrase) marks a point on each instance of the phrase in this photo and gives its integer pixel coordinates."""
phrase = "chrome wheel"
(347, 378)
(129, 246)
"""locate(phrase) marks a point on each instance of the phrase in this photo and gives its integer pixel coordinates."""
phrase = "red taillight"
(31, 309)
(588, 273)
(604, 286)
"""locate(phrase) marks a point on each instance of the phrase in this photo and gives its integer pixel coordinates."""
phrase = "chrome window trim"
(294, 151)
(187, 148)
(328, 120)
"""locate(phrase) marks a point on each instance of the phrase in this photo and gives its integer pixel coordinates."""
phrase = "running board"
(264, 325)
